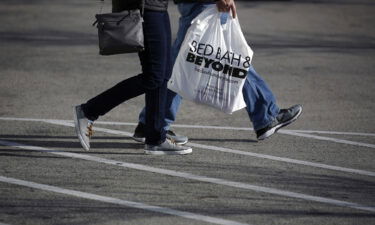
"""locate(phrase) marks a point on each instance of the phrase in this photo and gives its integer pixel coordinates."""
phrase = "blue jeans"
(260, 102)
(156, 70)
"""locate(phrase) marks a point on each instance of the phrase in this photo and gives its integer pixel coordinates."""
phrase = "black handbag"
(120, 32)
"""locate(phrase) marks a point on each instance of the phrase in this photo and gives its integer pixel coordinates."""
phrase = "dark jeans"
(156, 70)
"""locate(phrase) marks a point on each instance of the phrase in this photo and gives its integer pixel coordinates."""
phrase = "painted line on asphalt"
(194, 177)
(4, 223)
(196, 126)
(283, 159)
(321, 138)
(332, 132)
(288, 132)
(241, 128)
(118, 201)
(69, 123)
(234, 151)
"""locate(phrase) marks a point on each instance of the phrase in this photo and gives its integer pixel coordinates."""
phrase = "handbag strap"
(101, 8)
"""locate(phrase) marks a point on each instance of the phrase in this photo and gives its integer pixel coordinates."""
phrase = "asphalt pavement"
(319, 170)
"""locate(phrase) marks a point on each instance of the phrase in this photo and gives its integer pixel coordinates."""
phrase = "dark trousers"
(156, 70)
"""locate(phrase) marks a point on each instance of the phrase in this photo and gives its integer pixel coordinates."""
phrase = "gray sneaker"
(284, 118)
(167, 148)
(178, 139)
(83, 127)
(139, 135)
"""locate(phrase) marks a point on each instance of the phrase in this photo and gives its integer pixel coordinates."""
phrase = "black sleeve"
(194, 1)
(121, 5)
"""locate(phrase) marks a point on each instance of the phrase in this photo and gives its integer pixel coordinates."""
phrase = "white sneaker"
(139, 135)
(83, 127)
(167, 148)
(178, 139)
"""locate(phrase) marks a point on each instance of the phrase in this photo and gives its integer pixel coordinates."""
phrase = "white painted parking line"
(332, 132)
(299, 133)
(228, 150)
(341, 141)
(234, 151)
(288, 132)
(195, 126)
(194, 177)
(221, 149)
(4, 224)
(283, 159)
(117, 201)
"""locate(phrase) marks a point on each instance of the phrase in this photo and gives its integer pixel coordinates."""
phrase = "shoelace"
(90, 130)
(173, 142)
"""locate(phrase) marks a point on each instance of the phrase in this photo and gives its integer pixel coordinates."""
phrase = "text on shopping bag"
(225, 62)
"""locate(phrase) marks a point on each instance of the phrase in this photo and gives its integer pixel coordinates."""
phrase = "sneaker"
(178, 139)
(168, 147)
(139, 135)
(285, 117)
(83, 127)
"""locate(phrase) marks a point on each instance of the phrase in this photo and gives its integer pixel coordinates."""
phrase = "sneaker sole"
(78, 132)
(278, 127)
(182, 152)
(143, 140)
(139, 139)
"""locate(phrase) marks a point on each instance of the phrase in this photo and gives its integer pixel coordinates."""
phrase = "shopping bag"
(213, 62)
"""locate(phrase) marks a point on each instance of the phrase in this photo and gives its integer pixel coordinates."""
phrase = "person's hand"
(226, 6)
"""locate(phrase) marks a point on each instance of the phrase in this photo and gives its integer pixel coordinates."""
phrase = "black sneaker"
(139, 135)
(285, 117)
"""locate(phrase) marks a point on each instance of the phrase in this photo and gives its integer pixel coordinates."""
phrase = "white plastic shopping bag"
(213, 62)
